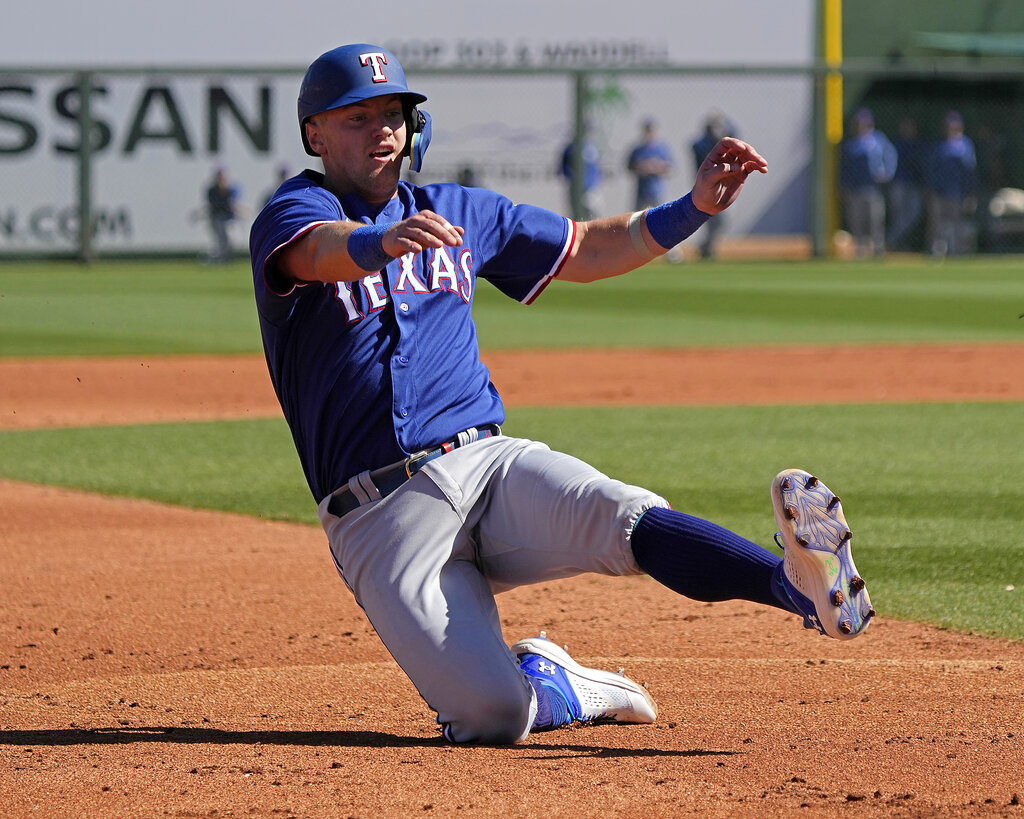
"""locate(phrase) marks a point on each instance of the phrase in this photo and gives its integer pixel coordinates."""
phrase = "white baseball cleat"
(591, 695)
(818, 571)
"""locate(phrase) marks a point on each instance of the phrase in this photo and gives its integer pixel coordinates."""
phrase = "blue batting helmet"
(352, 73)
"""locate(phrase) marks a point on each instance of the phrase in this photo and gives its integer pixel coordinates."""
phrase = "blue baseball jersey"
(369, 372)
(651, 188)
(867, 160)
(951, 170)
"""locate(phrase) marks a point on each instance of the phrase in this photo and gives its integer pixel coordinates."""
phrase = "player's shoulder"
(303, 198)
(435, 195)
(303, 181)
(306, 186)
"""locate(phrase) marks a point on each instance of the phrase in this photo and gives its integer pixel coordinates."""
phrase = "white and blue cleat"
(818, 571)
(591, 695)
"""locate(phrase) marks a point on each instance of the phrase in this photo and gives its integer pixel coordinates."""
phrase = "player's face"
(361, 147)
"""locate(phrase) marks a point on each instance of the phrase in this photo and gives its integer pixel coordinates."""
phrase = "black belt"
(375, 484)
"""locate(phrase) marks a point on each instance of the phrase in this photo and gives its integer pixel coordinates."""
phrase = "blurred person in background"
(221, 210)
(716, 126)
(651, 161)
(952, 185)
(906, 191)
(590, 204)
(282, 174)
(467, 177)
(867, 163)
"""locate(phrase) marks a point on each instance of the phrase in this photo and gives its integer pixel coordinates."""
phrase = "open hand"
(721, 175)
(419, 232)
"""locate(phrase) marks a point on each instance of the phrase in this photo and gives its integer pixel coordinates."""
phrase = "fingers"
(714, 173)
(449, 234)
(428, 223)
(721, 170)
(723, 173)
(423, 230)
(734, 155)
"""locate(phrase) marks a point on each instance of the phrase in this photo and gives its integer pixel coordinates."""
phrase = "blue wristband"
(672, 222)
(366, 247)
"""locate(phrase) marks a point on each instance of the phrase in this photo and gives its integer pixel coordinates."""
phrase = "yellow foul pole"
(833, 47)
(834, 79)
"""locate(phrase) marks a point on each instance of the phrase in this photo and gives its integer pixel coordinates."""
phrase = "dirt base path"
(162, 661)
(78, 392)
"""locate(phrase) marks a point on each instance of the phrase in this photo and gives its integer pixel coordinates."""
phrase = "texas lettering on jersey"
(356, 384)
(445, 274)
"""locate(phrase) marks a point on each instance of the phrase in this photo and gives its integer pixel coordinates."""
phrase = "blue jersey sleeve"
(523, 247)
(296, 208)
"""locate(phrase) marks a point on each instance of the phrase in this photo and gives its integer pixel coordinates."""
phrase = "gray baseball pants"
(425, 562)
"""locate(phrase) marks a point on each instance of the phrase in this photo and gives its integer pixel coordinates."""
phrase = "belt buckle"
(414, 458)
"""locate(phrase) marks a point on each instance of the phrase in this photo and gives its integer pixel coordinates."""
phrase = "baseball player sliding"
(364, 285)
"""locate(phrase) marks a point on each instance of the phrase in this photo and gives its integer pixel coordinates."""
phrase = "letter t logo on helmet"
(376, 59)
(340, 77)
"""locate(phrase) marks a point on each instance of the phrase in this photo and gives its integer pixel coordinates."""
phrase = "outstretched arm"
(617, 244)
(346, 251)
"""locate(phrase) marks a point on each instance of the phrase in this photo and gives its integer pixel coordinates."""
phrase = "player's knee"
(499, 716)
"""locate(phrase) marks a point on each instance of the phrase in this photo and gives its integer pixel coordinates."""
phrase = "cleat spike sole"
(819, 573)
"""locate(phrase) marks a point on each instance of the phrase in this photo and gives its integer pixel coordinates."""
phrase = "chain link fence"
(114, 162)
(958, 184)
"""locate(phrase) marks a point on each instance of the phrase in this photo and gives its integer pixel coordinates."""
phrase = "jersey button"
(403, 307)
(405, 412)
(403, 359)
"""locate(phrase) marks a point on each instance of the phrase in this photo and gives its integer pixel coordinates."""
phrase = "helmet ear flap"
(305, 137)
(417, 126)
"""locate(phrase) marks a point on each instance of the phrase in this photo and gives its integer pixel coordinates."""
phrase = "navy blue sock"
(704, 561)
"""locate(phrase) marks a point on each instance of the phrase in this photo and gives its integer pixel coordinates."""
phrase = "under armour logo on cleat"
(546, 668)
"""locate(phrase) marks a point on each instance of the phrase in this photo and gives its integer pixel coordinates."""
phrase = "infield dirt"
(164, 661)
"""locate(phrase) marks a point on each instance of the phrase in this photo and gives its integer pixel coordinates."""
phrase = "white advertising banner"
(156, 142)
(159, 136)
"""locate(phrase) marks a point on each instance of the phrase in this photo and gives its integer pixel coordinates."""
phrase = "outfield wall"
(157, 137)
(161, 132)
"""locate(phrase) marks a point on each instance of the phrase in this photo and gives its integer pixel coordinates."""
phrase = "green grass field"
(172, 308)
(934, 492)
